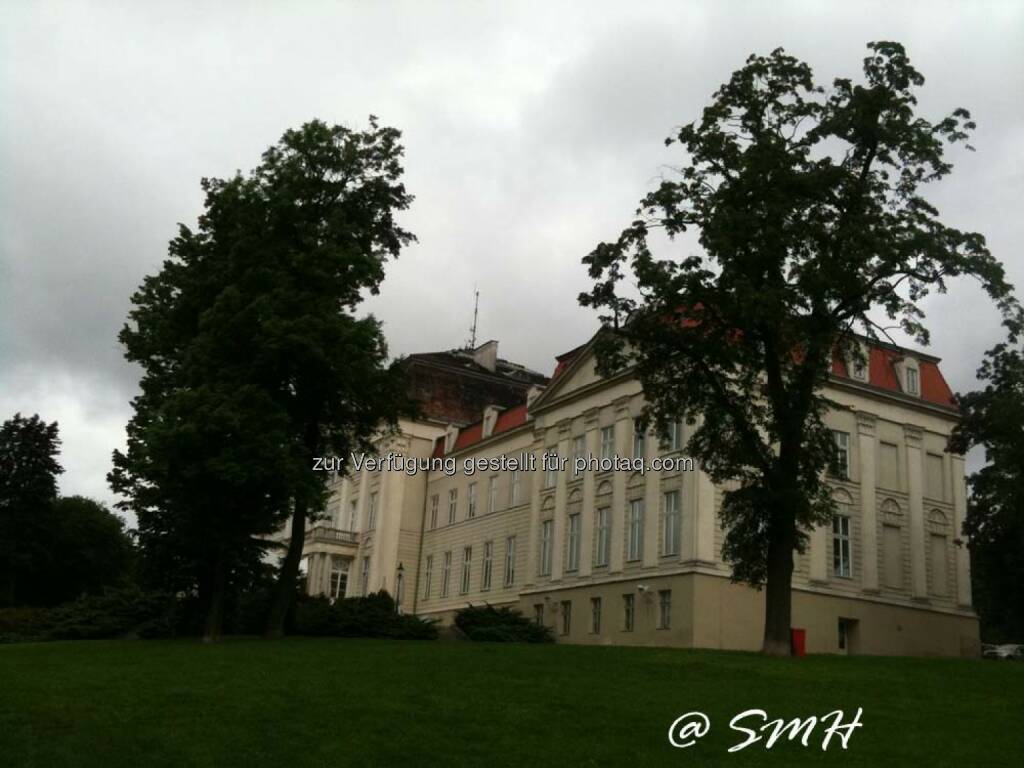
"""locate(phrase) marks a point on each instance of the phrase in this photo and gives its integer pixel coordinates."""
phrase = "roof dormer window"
(913, 385)
(857, 362)
(909, 374)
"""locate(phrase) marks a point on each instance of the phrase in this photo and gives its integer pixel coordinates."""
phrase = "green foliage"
(485, 623)
(994, 419)
(253, 359)
(116, 613)
(28, 486)
(370, 616)
(810, 213)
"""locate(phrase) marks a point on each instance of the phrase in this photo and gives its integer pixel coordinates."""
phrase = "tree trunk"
(778, 601)
(285, 590)
(215, 608)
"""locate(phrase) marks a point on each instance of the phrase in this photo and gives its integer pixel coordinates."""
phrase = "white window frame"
(608, 442)
(674, 438)
(913, 377)
(551, 470)
(453, 504)
(339, 569)
(566, 617)
(664, 609)
(573, 560)
(546, 535)
(510, 561)
(428, 573)
(639, 440)
(435, 503)
(579, 448)
(514, 488)
(488, 565)
(842, 443)
(628, 612)
(635, 545)
(603, 531)
(371, 517)
(471, 494)
(671, 523)
(492, 494)
(467, 566)
(446, 574)
(364, 577)
(842, 547)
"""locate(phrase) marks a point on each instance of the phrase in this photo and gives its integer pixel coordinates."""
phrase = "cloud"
(531, 129)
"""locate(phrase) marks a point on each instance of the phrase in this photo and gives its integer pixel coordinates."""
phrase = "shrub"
(115, 614)
(485, 623)
(371, 616)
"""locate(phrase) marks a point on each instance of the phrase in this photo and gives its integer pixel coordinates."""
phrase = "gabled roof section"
(575, 369)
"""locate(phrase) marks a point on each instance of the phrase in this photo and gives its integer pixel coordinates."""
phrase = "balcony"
(325, 534)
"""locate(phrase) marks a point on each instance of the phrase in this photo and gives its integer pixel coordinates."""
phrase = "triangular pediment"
(580, 372)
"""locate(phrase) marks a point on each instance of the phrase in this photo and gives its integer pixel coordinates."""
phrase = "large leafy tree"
(993, 418)
(812, 224)
(28, 487)
(254, 360)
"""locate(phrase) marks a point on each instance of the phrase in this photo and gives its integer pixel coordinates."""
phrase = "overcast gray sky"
(531, 131)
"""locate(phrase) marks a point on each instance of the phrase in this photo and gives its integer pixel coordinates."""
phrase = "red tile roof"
(507, 420)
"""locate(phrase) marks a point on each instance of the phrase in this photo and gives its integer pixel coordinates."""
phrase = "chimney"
(490, 419)
(486, 355)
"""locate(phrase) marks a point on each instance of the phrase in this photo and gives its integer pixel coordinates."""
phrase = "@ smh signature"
(686, 730)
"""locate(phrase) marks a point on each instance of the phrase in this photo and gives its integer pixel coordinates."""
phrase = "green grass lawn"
(374, 702)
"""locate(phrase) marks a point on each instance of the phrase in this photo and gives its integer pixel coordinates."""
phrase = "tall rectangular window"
(628, 611)
(371, 521)
(428, 572)
(492, 494)
(578, 452)
(603, 531)
(674, 437)
(446, 573)
(935, 480)
(353, 515)
(639, 440)
(841, 563)
(664, 608)
(607, 442)
(485, 576)
(453, 500)
(339, 576)
(538, 613)
(546, 529)
(573, 560)
(364, 578)
(595, 615)
(670, 524)
(940, 579)
(510, 561)
(514, 491)
(635, 547)
(566, 617)
(888, 466)
(434, 503)
(551, 470)
(467, 560)
(840, 466)
(913, 387)
(471, 510)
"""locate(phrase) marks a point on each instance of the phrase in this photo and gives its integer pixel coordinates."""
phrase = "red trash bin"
(798, 641)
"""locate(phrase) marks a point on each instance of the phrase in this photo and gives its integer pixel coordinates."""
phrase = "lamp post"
(399, 587)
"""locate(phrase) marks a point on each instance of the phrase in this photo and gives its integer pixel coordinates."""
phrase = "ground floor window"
(595, 615)
(628, 612)
(538, 613)
(364, 578)
(664, 608)
(566, 617)
(339, 576)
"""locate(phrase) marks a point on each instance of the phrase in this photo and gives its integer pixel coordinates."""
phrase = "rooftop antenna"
(476, 308)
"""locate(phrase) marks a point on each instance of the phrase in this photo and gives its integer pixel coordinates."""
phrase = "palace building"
(634, 557)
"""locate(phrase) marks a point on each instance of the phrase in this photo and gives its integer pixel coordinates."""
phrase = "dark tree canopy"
(253, 359)
(813, 225)
(993, 418)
